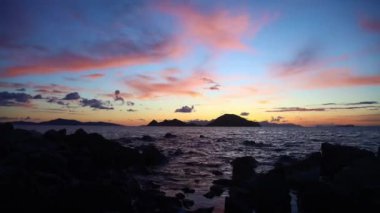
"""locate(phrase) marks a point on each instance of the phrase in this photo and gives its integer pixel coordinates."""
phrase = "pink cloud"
(340, 77)
(94, 76)
(308, 70)
(168, 83)
(112, 55)
(220, 29)
(40, 88)
(370, 24)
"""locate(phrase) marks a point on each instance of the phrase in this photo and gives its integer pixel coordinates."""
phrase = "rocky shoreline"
(56, 172)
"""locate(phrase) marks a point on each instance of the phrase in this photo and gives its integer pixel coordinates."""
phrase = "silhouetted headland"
(65, 122)
(174, 122)
(226, 120)
(270, 124)
(231, 120)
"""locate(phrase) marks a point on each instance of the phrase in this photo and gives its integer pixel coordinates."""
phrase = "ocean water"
(192, 159)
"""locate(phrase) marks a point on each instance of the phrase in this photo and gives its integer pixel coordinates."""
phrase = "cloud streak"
(218, 29)
(14, 99)
(165, 86)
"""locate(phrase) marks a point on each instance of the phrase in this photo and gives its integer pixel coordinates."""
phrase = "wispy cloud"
(308, 70)
(218, 29)
(94, 76)
(319, 109)
(296, 109)
(370, 24)
(162, 85)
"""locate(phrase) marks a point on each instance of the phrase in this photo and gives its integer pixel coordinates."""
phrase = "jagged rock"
(188, 190)
(187, 203)
(5, 127)
(180, 196)
(223, 182)
(217, 173)
(55, 135)
(147, 138)
(243, 168)
(255, 144)
(84, 172)
(202, 210)
(215, 190)
(169, 135)
(336, 157)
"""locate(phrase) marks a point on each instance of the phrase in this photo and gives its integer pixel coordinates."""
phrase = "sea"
(196, 154)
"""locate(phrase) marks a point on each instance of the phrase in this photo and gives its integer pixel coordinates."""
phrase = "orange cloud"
(168, 83)
(218, 30)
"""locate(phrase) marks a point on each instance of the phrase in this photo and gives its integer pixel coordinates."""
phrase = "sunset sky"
(128, 62)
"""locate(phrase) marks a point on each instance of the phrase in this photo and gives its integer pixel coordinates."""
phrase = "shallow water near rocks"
(193, 161)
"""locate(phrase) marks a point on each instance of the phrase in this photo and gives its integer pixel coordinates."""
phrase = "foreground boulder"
(243, 169)
(55, 172)
(337, 179)
(336, 157)
(250, 191)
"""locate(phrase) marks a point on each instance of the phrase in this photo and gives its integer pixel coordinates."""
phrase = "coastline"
(42, 160)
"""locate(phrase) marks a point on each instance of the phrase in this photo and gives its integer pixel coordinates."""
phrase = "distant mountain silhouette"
(270, 124)
(174, 122)
(231, 120)
(65, 122)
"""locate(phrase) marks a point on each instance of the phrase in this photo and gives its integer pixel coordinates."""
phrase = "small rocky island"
(226, 120)
(231, 120)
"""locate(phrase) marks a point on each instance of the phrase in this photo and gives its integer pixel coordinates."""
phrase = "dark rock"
(178, 152)
(55, 135)
(203, 210)
(285, 160)
(83, 172)
(80, 132)
(5, 127)
(217, 173)
(215, 190)
(272, 188)
(188, 190)
(151, 155)
(202, 136)
(209, 195)
(169, 135)
(336, 157)
(253, 143)
(187, 203)
(147, 138)
(223, 182)
(243, 169)
(180, 196)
